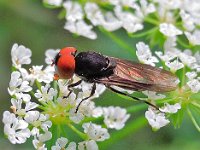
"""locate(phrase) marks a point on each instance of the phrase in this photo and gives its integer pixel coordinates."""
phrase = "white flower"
(171, 108)
(144, 54)
(38, 145)
(97, 112)
(88, 145)
(53, 2)
(194, 38)
(76, 117)
(73, 11)
(16, 129)
(40, 75)
(174, 65)
(187, 59)
(46, 94)
(144, 9)
(20, 55)
(50, 55)
(168, 56)
(87, 87)
(153, 95)
(191, 75)
(95, 132)
(17, 85)
(38, 141)
(169, 30)
(130, 22)
(170, 45)
(194, 85)
(110, 22)
(93, 13)
(61, 144)
(63, 86)
(85, 109)
(156, 119)
(197, 56)
(25, 97)
(17, 106)
(37, 120)
(70, 101)
(115, 117)
(188, 20)
(81, 28)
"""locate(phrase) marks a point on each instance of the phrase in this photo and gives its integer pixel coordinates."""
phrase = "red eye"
(68, 51)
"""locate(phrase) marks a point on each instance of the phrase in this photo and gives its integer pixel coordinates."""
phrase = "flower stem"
(136, 108)
(82, 135)
(139, 35)
(183, 77)
(38, 84)
(55, 86)
(119, 41)
(193, 120)
(151, 21)
(195, 104)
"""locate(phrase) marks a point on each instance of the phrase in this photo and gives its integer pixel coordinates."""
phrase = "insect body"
(96, 68)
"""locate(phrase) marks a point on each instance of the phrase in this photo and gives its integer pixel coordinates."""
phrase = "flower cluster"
(39, 103)
(184, 65)
(174, 17)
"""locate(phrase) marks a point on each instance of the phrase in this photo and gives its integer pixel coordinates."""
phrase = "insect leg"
(135, 98)
(71, 86)
(91, 94)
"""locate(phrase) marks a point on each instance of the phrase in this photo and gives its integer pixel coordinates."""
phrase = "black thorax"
(91, 65)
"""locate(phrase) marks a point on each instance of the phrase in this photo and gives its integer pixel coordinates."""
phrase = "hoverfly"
(95, 68)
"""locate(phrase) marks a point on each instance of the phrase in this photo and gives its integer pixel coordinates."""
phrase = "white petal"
(169, 30)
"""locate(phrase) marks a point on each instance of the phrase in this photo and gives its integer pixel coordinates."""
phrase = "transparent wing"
(139, 77)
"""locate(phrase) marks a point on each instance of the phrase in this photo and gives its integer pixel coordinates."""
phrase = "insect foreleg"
(91, 94)
(71, 86)
(135, 98)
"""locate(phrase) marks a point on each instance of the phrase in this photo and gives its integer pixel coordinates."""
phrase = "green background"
(28, 23)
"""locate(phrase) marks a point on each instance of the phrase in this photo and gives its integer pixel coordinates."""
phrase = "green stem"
(151, 21)
(139, 35)
(38, 84)
(82, 135)
(193, 120)
(136, 108)
(195, 104)
(55, 86)
(129, 128)
(119, 41)
(183, 77)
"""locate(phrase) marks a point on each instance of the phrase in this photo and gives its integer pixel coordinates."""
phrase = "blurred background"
(28, 23)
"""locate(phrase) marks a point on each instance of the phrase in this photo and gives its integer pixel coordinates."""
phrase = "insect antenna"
(135, 98)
